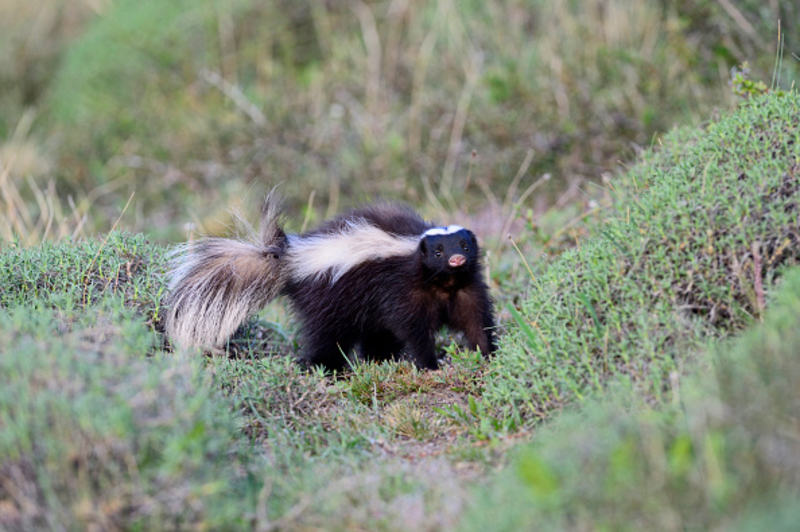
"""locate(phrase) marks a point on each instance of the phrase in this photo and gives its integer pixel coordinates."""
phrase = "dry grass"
(22, 169)
(436, 103)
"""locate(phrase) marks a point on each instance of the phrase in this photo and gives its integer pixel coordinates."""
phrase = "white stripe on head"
(337, 253)
(440, 231)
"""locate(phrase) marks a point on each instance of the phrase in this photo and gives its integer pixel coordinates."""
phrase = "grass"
(195, 106)
(73, 277)
(102, 427)
(95, 434)
(721, 454)
(608, 349)
(699, 232)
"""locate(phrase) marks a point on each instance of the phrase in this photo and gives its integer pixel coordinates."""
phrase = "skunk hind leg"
(380, 345)
(320, 350)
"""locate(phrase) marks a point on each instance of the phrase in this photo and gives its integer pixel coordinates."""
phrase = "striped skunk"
(379, 279)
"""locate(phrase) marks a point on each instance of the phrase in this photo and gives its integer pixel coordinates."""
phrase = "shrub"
(722, 455)
(701, 230)
(95, 435)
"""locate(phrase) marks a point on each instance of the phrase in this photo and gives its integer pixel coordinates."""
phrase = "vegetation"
(699, 231)
(70, 276)
(721, 454)
(99, 426)
(193, 106)
(95, 435)
(646, 377)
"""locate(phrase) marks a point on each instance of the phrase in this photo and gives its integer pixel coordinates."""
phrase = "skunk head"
(449, 250)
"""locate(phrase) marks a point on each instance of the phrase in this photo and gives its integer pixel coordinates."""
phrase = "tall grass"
(433, 102)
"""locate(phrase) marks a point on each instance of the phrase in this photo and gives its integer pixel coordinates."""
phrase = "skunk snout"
(457, 260)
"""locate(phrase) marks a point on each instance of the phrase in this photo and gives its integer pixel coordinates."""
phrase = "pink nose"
(457, 260)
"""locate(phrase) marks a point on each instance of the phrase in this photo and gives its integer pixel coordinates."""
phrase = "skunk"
(378, 279)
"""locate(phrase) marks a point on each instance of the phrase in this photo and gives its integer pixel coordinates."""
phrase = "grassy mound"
(93, 432)
(703, 227)
(723, 455)
(94, 435)
(73, 276)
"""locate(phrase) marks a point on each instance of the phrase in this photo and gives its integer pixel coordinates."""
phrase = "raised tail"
(217, 282)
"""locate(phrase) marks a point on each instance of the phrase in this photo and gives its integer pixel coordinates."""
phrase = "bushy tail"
(217, 282)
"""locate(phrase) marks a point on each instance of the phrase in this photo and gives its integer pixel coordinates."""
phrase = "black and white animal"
(379, 279)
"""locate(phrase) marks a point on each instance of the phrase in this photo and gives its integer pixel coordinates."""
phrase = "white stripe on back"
(337, 253)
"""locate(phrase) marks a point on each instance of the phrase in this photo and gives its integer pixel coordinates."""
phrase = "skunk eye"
(438, 251)
(464, 246)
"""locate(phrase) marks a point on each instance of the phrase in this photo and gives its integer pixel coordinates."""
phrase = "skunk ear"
(423, 246)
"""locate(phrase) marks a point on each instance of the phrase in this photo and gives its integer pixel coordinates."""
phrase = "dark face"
(451, 252)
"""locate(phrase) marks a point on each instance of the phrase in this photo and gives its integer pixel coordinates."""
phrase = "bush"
(701, 230)
(95, 435)
(722, 455)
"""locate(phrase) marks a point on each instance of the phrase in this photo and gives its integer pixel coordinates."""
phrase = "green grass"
(195, 105)
(100, 427)
(722, 454)
(95, 434)
(700, 230)
(72, 276)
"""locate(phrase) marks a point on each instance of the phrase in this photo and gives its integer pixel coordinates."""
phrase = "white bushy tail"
(217, 282)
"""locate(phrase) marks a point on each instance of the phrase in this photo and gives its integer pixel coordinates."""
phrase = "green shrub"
(700, 232)
(72, 276)
(722, 455)
(95, 435)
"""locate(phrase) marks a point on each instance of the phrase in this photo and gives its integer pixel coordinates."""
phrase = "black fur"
(394, 306)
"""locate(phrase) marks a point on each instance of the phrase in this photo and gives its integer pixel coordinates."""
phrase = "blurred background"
(159, 115)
